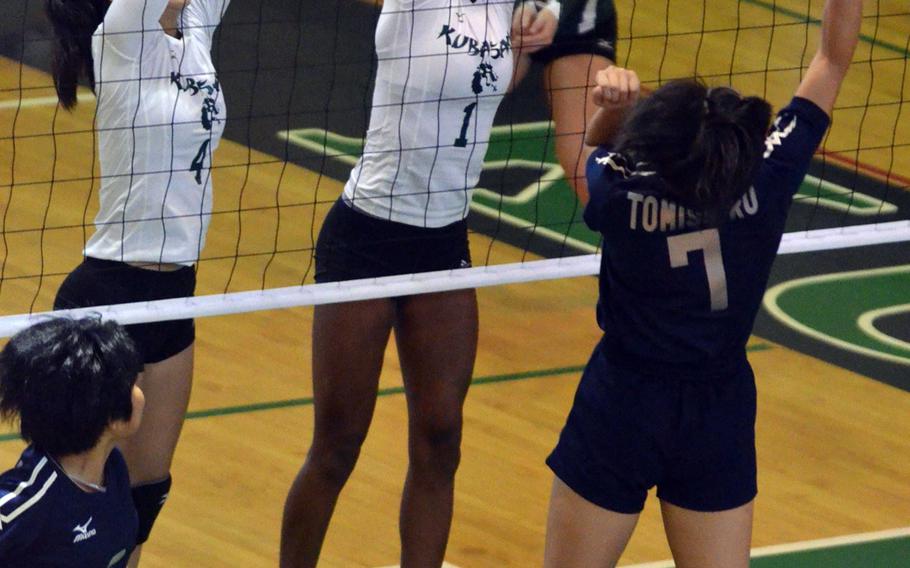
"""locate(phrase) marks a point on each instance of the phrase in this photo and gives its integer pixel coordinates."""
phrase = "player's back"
(679, 292)
(47, 520)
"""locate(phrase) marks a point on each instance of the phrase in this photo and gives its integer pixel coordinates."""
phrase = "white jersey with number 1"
(443, 68)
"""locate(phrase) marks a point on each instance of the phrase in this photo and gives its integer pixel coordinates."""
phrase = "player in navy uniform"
(585, 43)
(67, 503)
(691, 199)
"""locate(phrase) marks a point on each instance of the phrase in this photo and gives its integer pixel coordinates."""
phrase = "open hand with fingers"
(616, 88)
(533, 28)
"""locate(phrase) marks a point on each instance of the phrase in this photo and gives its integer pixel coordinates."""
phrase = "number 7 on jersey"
(707, 241)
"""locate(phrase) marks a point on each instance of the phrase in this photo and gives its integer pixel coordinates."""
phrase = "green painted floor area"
(891, 553)
(833, 305)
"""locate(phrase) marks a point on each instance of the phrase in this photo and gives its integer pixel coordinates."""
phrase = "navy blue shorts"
(598, 37)
(694, 440)
(98, 282)
(354, 245)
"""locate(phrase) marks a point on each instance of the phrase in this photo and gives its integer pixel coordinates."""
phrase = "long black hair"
(66, 380)
(74, 22)
(706, 143)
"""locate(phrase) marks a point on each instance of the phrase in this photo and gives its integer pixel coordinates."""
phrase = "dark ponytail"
(74, 22)
(706, 144)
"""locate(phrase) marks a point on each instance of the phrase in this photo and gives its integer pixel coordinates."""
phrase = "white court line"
(772, 305)
(866, 324)
(41, 101)
(779, 549)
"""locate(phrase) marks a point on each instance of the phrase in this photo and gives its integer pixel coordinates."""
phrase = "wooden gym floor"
(833, 449)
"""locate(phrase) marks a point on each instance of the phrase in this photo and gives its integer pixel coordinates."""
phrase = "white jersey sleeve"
(129, 26)
(204, 17)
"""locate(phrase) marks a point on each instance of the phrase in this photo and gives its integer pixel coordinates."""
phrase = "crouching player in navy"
(72, 384)
(691, 198)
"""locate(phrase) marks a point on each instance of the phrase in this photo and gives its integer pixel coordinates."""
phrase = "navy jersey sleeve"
(604, 170)
(789, 147)
(22, 508)
(117, 469)
(15, 540)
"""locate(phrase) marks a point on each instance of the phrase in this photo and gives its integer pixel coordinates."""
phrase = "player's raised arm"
(127, 22)
(840, 29)
(533, 26)
(616, 92)
(123, 26)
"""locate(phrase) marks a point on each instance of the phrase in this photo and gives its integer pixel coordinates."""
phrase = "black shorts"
(626, 433)
(571, 40)
(98, 282)
(354, 245)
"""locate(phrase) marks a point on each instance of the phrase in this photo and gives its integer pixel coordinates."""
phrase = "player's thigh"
(582, 535)
(436, 336)
(349, 341)
(166, 385)
(709, 539)
(568, 81)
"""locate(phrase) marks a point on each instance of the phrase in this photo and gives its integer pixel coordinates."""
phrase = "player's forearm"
(840, 30)
(616, 90)
(604, 125)
(552, 5)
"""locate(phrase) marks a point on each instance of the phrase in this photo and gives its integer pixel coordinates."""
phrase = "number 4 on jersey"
(707, 241)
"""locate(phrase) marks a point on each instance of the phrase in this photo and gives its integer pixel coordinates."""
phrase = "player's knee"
(148, 499)
(335, 458)
(436, 447)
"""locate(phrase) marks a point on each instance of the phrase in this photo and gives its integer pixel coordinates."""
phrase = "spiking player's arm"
(840, 29)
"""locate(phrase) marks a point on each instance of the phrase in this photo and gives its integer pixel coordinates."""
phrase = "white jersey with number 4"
(160, 117)
(443, 68)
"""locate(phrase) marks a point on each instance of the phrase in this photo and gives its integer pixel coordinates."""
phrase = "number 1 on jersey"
(707, 241)
(462, 141)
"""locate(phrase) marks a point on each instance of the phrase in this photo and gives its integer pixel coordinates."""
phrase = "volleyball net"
(298, 76)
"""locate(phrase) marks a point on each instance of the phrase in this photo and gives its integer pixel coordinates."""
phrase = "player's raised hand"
(616, 87)
(533, 29)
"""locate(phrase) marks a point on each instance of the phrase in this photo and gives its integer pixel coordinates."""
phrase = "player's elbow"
(833, 63)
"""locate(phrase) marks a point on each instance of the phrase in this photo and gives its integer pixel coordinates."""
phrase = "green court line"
(882, 549)
(890, 553)
(307, 401)
(806, 18)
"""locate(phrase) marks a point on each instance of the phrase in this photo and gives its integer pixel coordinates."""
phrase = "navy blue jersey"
(47, 520)
(678, 297)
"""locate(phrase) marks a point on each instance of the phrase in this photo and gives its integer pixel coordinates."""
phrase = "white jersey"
(160, 117)
(443, 68)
